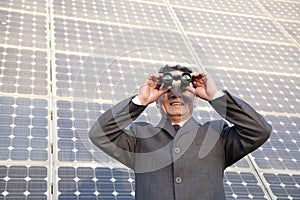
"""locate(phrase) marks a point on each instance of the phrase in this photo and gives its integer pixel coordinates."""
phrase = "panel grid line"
(278, 25)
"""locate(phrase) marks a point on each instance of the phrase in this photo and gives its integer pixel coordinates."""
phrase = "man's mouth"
(176, 104)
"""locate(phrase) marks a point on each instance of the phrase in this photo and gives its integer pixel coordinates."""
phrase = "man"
(183, 164)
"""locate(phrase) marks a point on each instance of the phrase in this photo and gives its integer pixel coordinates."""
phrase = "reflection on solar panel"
(63, 63)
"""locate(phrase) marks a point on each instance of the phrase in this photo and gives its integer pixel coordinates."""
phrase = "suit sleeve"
(108, 132)
(249, 130)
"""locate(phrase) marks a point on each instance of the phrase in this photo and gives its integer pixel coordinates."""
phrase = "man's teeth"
(176, 104)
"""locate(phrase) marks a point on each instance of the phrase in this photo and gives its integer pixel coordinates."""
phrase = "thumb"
(164, 90)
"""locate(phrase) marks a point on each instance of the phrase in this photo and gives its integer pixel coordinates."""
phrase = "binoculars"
(168, 79)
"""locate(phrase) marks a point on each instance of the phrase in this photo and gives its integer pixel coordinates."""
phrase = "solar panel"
(24, 129)
(24, 71)
(124, 12)
(63, 63)
(236, 7)
(229, 25)
(22, 29)
(21, 182)
(242, 185)
(119, 41)
(281, 151)
(282, 10)
(250, 56)
(93, 183)
(292, 28)
(283, 186)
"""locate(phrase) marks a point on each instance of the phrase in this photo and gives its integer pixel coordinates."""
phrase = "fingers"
(198, 74)
(163, 90)
(155, 78)
(201, 85)
(151, 89)
(198, 79)
(190, 89)
(154, 81)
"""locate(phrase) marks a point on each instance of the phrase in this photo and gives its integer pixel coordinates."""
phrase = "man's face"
(177, 104)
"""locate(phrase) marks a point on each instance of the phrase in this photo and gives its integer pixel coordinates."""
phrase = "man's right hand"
(151, 90)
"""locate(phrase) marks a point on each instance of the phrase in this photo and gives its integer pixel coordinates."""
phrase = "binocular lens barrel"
(167, 78)
(185, 79)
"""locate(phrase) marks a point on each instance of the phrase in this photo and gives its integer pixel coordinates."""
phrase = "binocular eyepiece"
(168, 79)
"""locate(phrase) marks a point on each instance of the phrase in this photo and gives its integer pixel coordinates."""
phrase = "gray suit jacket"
(188, 165)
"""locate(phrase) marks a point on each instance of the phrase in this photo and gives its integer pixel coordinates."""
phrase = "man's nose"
(176, 90)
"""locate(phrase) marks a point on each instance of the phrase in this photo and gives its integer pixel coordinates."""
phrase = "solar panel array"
(63, 63)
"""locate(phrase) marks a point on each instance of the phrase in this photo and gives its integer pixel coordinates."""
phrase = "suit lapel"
(191, 126)
(166, 125)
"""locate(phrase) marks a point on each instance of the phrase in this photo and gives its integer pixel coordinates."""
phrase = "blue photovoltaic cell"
(23, 71)
(24, 129)
(73, 141)
(20, 182)
(23, 29)
(281, 151)
(284, 186)
(242, 185)
(89, 183)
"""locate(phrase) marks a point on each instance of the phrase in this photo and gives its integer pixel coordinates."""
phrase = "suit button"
(177, 150)
(178, 180)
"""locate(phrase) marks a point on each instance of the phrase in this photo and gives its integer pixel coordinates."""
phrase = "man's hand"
(204, 86)
(151, 90)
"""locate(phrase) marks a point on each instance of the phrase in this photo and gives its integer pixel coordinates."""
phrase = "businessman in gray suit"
(179, 159)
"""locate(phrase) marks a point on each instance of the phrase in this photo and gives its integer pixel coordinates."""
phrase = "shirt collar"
(181, 123)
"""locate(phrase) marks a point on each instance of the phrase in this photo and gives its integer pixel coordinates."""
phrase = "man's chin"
(175, 114)
(178, 111)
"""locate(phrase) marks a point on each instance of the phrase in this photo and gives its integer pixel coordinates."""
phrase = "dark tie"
(176, 127)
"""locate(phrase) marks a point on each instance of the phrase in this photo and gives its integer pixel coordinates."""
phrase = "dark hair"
(168, 68)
